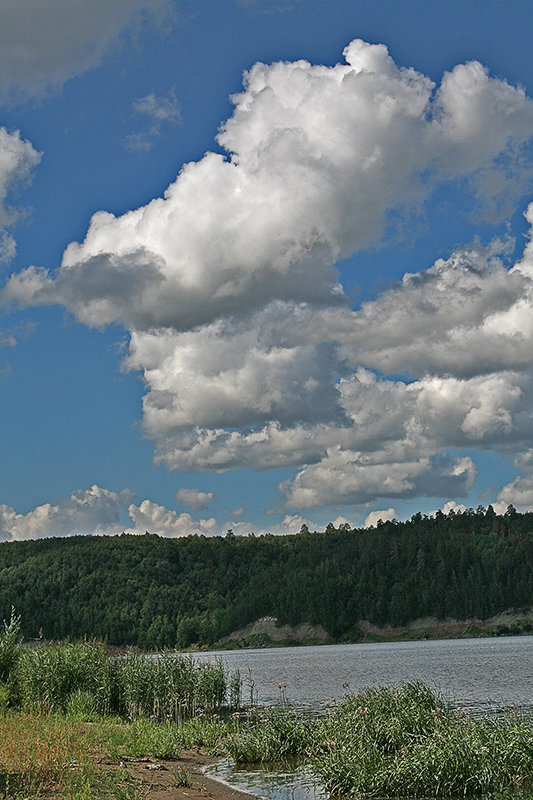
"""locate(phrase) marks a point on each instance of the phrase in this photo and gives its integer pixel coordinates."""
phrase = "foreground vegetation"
(71, 716)
(155, 593)
(397, 742)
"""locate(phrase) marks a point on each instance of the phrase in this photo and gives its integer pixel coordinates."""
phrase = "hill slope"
(155, 592)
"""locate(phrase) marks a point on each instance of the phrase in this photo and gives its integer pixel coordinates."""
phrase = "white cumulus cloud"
(93, 510)
(374, 517)
(154, 518)
(238, 324)
(98, 511)
(194, 498)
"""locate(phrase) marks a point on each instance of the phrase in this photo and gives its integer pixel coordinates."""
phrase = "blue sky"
(329, 317)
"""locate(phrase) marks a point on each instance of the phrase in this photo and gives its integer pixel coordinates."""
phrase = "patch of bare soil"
(159, 780)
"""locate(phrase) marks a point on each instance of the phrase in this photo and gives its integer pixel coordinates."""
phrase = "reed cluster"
(270, 737)
(82, 677)
(408, 742)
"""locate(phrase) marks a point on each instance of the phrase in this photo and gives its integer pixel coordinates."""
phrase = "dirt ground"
(156, 780)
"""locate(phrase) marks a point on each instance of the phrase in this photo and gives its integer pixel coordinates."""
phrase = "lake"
(483, 675)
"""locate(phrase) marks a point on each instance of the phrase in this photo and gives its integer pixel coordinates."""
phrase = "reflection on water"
(293, 783)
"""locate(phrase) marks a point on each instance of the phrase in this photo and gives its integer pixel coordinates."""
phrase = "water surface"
(482, 675)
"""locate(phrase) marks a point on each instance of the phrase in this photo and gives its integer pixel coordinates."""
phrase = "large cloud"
(319, 155)
(48, 42)
(239, 327)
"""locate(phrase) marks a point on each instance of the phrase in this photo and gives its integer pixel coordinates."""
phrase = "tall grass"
(84, 677)
(37, 754)
(48, 678)
(9, 646)
(270, 736)
(388, 742)
(171, 686)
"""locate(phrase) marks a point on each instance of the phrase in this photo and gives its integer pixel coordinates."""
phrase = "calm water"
(483, 675)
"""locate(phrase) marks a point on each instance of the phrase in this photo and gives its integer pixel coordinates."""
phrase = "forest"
(155, 592)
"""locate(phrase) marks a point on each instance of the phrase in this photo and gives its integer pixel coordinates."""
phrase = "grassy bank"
(67, 757)
(71, 716)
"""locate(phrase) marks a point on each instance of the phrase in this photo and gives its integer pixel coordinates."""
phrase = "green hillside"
(155, 592)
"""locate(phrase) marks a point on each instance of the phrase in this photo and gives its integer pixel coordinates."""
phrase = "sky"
(263, 263)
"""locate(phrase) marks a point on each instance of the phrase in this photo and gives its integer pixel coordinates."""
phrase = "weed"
(181, 777)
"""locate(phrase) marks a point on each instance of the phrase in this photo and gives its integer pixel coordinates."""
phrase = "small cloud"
(194, 498)
(138, 142)
(7, 340)
(375, 516)
(344, 521)
(160, 109)
(451, 505)
(149, 516)
(18, 158)
(238, 512)
(164, 108)
(8, 248)
(518, 493)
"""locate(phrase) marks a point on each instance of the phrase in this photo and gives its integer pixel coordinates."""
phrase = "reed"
(269, 737)
(74, 677)
(408, 742)
(49, 678)
(171, 686)
(9, 646)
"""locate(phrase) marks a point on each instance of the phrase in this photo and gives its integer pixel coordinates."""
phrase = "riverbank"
(267, 632)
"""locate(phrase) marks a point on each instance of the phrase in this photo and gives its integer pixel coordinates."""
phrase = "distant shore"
(266, 632)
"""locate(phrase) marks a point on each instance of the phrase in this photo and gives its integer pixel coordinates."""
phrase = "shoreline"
(155, 778)
(267, 633)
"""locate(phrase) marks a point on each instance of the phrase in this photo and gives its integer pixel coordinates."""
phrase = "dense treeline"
(155, 592)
